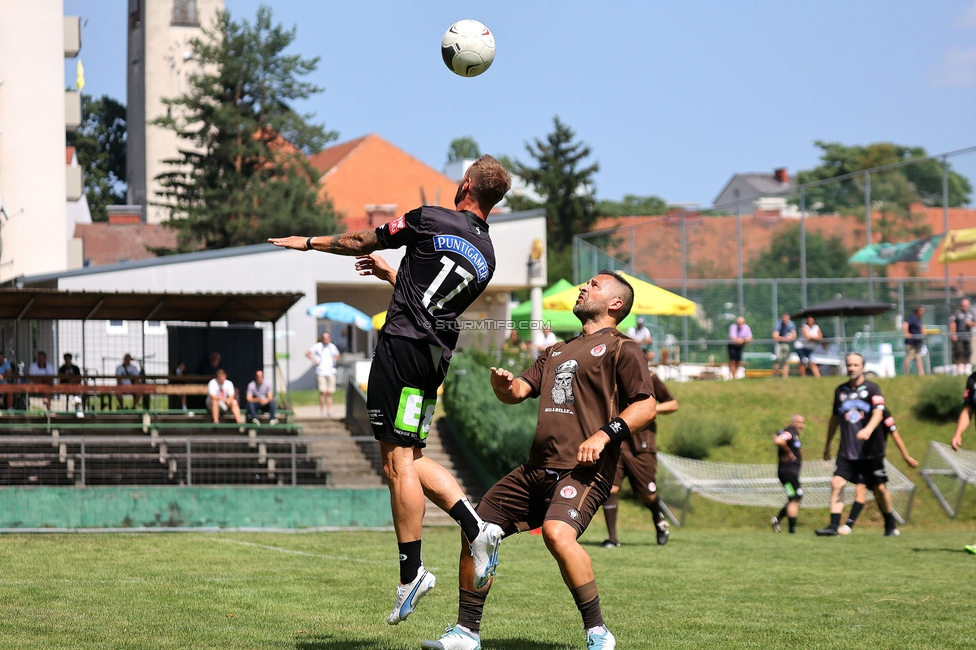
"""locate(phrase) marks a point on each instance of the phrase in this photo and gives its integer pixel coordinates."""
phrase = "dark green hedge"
(499, 435)
(939, 399)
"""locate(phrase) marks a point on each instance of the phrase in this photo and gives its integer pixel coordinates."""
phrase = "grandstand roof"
(51, 304)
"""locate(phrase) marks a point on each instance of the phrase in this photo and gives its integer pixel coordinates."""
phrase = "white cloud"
(957, 69)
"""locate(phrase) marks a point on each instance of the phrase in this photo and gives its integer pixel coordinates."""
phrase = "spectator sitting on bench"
(69, 373)
(260, 397)
(39, 369)
(221, 397)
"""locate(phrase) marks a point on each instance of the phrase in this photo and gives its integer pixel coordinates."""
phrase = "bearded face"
(590, 308)
(562, 389)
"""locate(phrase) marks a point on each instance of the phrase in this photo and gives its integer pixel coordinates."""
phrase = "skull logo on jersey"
(562, 388)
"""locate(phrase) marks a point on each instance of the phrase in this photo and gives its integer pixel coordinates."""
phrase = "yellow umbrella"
(379, 319)
(649, 300)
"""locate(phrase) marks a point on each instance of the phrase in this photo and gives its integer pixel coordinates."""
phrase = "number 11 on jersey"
(448, 265)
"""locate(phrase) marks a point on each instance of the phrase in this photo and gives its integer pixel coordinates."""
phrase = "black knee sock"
(889, 518)
(782, 513)
(467, 519)
(835, 520)
(471, 604)
(610, 513)
(855, 513)
(655, 507)
(410, 561)
(792, 524)
(588, 602)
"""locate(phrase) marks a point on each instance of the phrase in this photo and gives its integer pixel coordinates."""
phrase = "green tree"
(243, 174)
(826, 257)
(463, 149)
(633, 206)
(100, 145)
(892, 191)
(564, 181)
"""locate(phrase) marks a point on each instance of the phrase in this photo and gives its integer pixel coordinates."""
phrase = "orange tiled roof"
(370, 171)
(108, 243)
(69, 153)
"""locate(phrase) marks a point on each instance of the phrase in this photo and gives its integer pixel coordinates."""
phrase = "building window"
(185, 13)
(154, 327)
(117, 327)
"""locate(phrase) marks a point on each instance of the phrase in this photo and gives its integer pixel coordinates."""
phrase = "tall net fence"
(770, 246)
(948, 472)
(758, 485)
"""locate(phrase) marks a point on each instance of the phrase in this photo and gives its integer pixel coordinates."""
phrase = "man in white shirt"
(222, 397)
(324, 354)
(643, 337)
(40, 369)
(124, 373)
(544, 340)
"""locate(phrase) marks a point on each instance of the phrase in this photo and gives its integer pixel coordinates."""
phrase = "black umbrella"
(841, 306)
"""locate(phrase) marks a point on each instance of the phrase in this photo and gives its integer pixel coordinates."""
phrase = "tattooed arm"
(361, 242)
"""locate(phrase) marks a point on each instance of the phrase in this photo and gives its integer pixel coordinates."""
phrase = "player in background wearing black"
(887, 428)
(638, 462)
(448, 263)
(858, 411)
(968, 411)
(790, 456)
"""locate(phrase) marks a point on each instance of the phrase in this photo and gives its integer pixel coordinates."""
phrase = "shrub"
(695, 437)
(499, 435)
(939, 399)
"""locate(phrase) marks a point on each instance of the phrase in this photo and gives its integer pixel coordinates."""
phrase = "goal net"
(947, 472)
(758, 485)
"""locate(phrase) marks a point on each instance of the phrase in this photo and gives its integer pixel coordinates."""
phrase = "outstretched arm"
(507, 389)
(361, 242)
(904, 452)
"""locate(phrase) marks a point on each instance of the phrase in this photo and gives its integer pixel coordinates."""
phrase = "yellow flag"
(80, 79)
(959, 245)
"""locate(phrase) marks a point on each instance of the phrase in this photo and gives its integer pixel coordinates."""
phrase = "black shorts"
(529, 496)
(789, 476)
(735, 352)
(869, 471)
(402, 393)
(962, 350)
(640, 468)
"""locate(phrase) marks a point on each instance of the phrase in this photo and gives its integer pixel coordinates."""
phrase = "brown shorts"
(528, 496)
(640, 468)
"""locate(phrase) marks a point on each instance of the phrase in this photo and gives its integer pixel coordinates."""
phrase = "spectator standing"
(643, 337)
(39, 371)
(221, 397)
(914, 340)
(784, 335)
(260, 397)
(811, 337)
(125, 373)
(69, 373)
(961, 328)
(6, 372)
(739, 335)
(324, 354)
(180, 371)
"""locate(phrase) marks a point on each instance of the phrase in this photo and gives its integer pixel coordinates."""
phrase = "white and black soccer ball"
(468, 48)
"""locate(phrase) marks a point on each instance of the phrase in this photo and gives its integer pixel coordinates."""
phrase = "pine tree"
(242, 174)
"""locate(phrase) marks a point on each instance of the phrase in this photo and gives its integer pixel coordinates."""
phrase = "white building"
(159, 64)
(518, 239)
(36, 225)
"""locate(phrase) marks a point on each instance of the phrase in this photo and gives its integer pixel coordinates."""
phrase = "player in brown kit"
(593, 391)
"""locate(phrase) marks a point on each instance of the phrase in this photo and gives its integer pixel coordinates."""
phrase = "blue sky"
(673, 98)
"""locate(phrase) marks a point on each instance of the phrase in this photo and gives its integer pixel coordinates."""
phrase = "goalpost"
(758, 485)
(947, 472)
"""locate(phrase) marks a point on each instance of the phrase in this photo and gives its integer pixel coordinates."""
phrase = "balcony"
(74, 182)
(72, 36)
(72, 110)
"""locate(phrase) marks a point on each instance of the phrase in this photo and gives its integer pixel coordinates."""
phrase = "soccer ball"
(468, 48)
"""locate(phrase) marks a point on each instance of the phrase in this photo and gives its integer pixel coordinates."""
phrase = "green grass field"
(332, 591)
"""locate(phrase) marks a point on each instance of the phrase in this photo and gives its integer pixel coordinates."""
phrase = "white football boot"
(484, 550)
(408, 595)
(454, 638)
(600, 641)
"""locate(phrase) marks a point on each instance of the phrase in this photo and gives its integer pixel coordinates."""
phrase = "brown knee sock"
(588, 602)
(610, 512)
(470, 606)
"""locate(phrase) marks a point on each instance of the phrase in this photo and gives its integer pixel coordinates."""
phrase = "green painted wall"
(225, 507)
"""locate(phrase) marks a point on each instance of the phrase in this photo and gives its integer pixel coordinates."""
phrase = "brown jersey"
(582, 384)
(646, 440)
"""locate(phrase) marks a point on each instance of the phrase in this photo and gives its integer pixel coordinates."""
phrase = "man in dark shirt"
(448, 263)
(886, 429)
(593, 391)
(638, 462)
(961, 327)
(790, 454)
(69, 373)
(859, 412)
(914, 340)
(965, 417)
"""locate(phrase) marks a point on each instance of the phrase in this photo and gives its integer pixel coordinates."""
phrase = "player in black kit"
(790, 454)
(967, 415)
(448, 263)
(859, 411)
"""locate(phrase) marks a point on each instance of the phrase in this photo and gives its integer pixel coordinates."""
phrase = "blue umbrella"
(340, 312)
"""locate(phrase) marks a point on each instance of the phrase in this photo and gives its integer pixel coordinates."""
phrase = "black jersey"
(854, 407)
(969, 396)
(793, 443)
(877, 445)
(448, 264)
